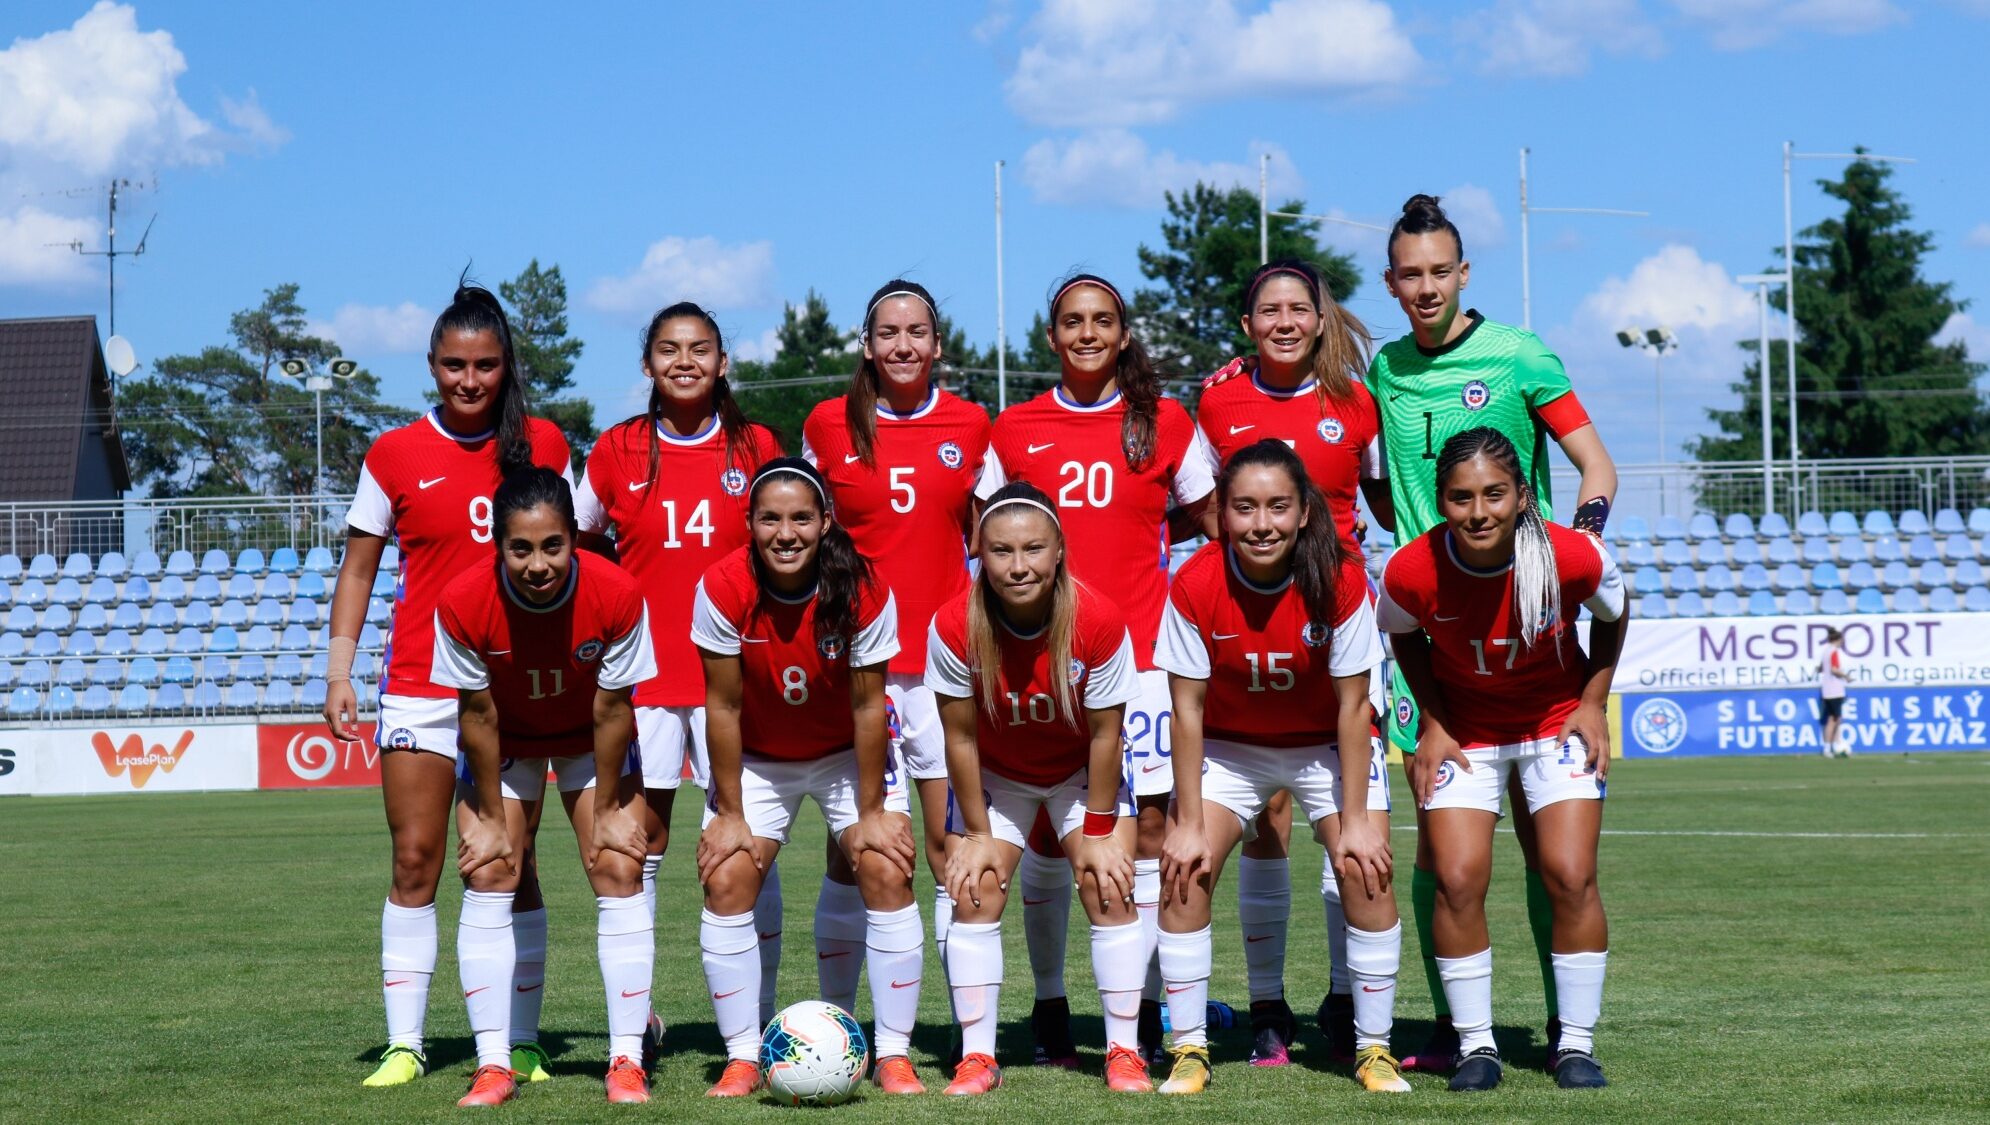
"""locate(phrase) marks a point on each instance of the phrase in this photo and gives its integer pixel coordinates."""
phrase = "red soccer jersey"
(909, 513)
(1270, 667)
(669, 530)
(431, 490)
(1498, 691)
(1028, 739)
(795, 701)
(1115, 518)
(543, 664)
(1339, 443)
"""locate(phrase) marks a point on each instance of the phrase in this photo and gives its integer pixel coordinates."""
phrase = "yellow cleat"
(1190, 1074)
(529, 1060)
(398, 1066)
(1379, 1072)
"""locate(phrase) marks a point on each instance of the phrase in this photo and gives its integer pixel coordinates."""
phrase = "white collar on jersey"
(435, 419)
(1451, 549)
(802, 598)
(699, 438)
(522, 602)
(920, 411)
(1230, 555)
(1274, 392)
(1003, 618)
(1064, 400)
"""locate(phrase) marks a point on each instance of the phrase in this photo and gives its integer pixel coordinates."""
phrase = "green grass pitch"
(1792, 939)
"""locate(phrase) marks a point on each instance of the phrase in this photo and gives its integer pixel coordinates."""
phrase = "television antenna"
(111, 253)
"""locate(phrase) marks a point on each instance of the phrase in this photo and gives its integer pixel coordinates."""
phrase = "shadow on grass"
(461, 1051)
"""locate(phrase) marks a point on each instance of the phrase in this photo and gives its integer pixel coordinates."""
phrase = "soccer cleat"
(1336, 1016)
(976, 1074)
(1152, 1050)
(895, 1075)
(1578, 1070)
(1480, 1070)
(627, 1084)
(1379, 1072)
(1438, 1054)
(652, 1041)
(1273, 1028)
(1126, 1071)
(529, 1060)
(1050, 1020)
(1554, 1034)
(399, 1065)
(740, 1079)
(491, 1085)
(1190, 1074)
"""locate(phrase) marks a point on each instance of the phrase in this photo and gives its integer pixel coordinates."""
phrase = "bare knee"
(1152, 830)
(417, 869)
(884, 886)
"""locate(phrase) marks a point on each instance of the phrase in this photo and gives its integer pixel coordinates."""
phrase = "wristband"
(1099, 825)
(1592, 515)
(338, 660)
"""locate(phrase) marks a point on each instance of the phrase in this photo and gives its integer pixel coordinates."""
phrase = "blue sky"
(741, 154)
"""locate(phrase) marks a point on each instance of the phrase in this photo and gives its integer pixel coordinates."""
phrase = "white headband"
(882, 298)
(990, 509)
(791, 470)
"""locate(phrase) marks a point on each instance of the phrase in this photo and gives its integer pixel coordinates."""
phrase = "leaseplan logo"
(140, 759)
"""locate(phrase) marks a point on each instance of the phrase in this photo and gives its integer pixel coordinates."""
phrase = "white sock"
(767, 924)
(1337, 981)
(625, 941)
(974, 966)
(1468, 990)
(484, 958)
(1264, 910)
(839, 942)
(895, 951)
(1185, 968)
(1119, 963)
(943, 919)
(1372, 960)
(732, 977)
(1579, 987)
(1147, 906)
(528, 976)
(1046, 886)
(650, 865)
(407, 964)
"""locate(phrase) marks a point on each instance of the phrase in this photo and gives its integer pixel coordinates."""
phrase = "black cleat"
(1152, 1049)
(1050, 1020)
(1336, 1016)
(1578, 1070)
(1554, 1036)
(1480, 1070)
(1273, 1027)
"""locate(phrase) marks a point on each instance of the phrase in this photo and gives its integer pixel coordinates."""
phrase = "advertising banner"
(305, 756)
(1729, 653)
(1789, 721)
(17, 774)
(147, 759)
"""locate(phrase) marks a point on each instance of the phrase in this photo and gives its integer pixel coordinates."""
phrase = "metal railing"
(196, 524)
(1893, 485)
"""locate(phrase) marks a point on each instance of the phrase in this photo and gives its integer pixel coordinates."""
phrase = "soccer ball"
(814, 1053)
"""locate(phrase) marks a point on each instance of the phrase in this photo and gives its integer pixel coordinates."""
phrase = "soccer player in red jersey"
(796, 631)
(1130, 474)
(1305, 390)
(1483, 608)
(427, 486)
(1270, 643)
(670, 485)
(901, 457)
(1032, 669)
(561, 641)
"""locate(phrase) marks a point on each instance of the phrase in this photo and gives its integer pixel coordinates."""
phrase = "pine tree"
(537, 302)
(812, 362)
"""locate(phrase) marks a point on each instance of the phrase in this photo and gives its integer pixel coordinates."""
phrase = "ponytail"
(733, 422)
(1345, 345)
(861, 400)
(842, 573)
(1316, 552)
(984, 613)
(1139, 384)
(476, 309)
(1537, 583)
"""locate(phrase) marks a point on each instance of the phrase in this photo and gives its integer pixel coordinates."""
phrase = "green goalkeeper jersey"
(1494, 375)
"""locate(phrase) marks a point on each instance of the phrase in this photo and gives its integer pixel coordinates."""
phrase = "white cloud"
(758, 349)
(1476, 215)
(704, 270)
(401, 329)
(1554, 38)
(252, 122)
(1676, 288)
(1115, 168)
(1961, 326)
(1978, 238)
(1129, 62)
(1736, 25)
(34, 248)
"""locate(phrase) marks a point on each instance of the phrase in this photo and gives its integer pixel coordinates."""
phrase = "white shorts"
(771, 792)
(665, 733)
(1012, 805)
(524, 779)
(1243, 778)
(1150, 742)
(914, 715)
(409, 722)
(1549, 772)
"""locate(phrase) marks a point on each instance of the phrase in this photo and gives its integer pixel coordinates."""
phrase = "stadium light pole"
(1001, 333)
(1527, 209)
(1762, 282)
(1265, 214)
(339, 367)
(1656, 342)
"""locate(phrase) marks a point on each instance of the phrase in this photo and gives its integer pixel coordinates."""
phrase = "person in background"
(1831, 671)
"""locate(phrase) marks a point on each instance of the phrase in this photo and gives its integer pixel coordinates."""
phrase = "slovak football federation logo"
(831, 647)
(733, 480)
(1314, 634)
(1475, 395)
(588, 652)
(1659, 725)
(1331, 430)
(950, 455)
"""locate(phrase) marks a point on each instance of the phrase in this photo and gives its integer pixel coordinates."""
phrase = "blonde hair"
(984, 613)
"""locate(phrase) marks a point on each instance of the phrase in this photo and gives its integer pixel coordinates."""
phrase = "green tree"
(1209, 251)
(537, 300)
(1871, 381)
(226, 422)
(812, 360)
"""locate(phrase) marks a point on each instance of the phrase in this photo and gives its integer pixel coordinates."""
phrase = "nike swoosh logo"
(1151, 769)
(635, 484)
(427, 484)
(1365, 988)
(827, 956)
(849, 458)
(1041, 448)
(1397, 395)
(1026, 902)
(1579, 774)
(753, 640)
(627, 995)
(1241, 429)
(1257, 939)
(1176, 991)
(499, 652)
(906, 984)
(530, 987)
(1224, 636)
(474, 991)
(392, 983)
(1441, 617)
(723, 995)
(770, 937)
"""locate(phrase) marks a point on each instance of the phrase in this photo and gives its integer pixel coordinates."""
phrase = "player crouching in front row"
(543, 650)
(1483, 609)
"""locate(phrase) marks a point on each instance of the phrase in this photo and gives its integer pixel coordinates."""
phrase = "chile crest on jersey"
(831, 646)
(950, 455)
(1475, 395)
(1331, 430)
(589, 651)
(733, 480)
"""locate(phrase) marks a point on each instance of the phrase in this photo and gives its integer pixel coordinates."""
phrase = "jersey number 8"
(794, 685)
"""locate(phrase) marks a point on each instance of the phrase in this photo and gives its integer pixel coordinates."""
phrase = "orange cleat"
(895, 1075)
(976, 1074)
(741, 1079)
(1126, 1071)
(627, 1084)
(491, 1085)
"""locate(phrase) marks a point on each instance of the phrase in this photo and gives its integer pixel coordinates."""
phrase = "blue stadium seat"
(1669, 528)
(259, 638)
(364, 666)
(72, 673)
(143, 671)
(315, 667)
(117, 642)
(21, 619)
(152, 642)
(6, 676)
(95, 700)
(1632, 530)
(1896, 575)
(383, 582)
(81, 644)
(101, 590)
(77, 566)
(1834, 602)
(23, 703)
(67, 592)
(1682, 579)
(1886, 549)
(31, 592)
(172, 590)
(215, 562)
(1967, 573)
(1781, 551)
(1908, 600)
(138, 590)
(1689, 604)
(1799, 603)
(1976, 599)
(269, 612)
(304, 611)
(288, 666)
(1843, 524)
(1678, 552)
(45, 643)
(1948, 521)
(107, 672)
(1726, 604)
(1703, 527)
(206, 588)
(280, 695)
(43, 567)
(58, 619)
(1817, 549)
(252, 667)
(1773, 526)
(1652, 606)
(213, 667)
(1930, 575)
(390, 559)
(1812, 523)
(241, 587)
(198, 615)
(1979, 521)
(1787, 577)
(113, 565)
(282, 587)
(318, 560)
(224, 639)
(1762, 603)
(1913, 522)
(1634, 554)
(1717, 579)
(189, 640)
(13, 645)
(6, 593)
(296, 638)
(251, 561)
(1825, 576)
(312, 694)
(232, 613)
(178, 670)
(161, 616)
(1754, 578)
(1958, 547)
(1854, 550)
(370, 637)
(146, 564)
(283, 560)
(1738, 526)
(1942, 599)
(171, 699)
(312, 585)
(379, 611)
(1921, 548)
(1860, 575)
(1647, 580)
(241, 697)
(179, 564)
(1876, 523)
(1746, 551)
(134, 700)
(61, 702)
(35, 673)
(11, 569)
